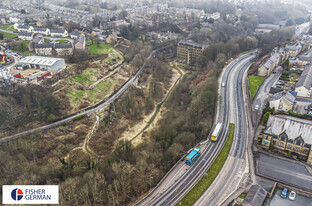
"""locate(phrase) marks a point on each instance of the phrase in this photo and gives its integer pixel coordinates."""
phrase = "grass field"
(7, 35)
(254, 84)
(212, 172)
(100, 48)
(46, 40)
(87, 77)
(8, 27)
(62, 41)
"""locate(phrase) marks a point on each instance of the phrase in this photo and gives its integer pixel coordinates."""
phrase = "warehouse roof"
(39, 60)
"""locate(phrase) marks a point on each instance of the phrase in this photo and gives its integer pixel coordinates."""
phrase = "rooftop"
(256, 196)
(305, 79)
(39, 60)
(292, 126)
(193, 44)
(290, 97)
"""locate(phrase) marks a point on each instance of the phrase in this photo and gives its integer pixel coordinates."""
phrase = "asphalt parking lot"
(300, 200)
(299, 107)
(284, 171)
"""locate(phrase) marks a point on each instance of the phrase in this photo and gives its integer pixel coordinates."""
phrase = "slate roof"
(273, 59)
(23, 27)
(58, 31)
(25, 34)
(305, 79)
(256, 196)
(292, 126)
(40, 29)
(65, 45)
(41, 46)
(75, 33)
(193, 44)
(290, 97)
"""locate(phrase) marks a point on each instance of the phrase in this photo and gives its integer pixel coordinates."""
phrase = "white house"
(59, 32)
(44, 49)
(304, 84)
(25, 28)
(63, 49)
(26, 35)
(43, 31)
(74, 35)
(283, 101)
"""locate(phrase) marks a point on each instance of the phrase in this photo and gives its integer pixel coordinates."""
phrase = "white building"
(59, 32)
(304, 84)
(25, 36)
(283, 101)
(50, 64)
(43, 31)
(25, 28)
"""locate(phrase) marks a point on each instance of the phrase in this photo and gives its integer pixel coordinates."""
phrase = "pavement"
(261, 98)
(285, 171)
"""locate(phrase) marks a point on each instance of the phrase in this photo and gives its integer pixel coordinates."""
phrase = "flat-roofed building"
(188, 52)
(50, 64)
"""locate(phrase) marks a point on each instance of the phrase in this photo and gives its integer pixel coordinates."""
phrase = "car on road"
(274, 72)
(284, 193)
(292, 195)
(257, 107)
(223, 84)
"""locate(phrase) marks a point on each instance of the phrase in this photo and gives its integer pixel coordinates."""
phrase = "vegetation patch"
(7, 35)
(254, 84)
(79, 117)
(87, 77)
(8, 27)
(212, 172)
(62, 41)
(99, 48)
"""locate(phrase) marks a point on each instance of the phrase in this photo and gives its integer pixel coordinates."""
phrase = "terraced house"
(289, 134)
(188, 52)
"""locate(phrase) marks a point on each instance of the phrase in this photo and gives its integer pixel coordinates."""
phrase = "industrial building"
(188, 52)
(50, 64)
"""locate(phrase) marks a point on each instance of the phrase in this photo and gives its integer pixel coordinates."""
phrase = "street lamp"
(151, 183)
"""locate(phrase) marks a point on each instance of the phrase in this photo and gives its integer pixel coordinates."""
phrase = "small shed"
(255, 197)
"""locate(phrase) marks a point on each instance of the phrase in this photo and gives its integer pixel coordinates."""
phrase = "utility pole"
(150, 183)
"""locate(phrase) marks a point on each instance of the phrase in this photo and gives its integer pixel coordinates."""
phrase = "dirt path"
(150, 121)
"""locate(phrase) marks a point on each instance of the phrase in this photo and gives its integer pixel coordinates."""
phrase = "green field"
(212, 172)
(46, 40)
(254, 84)
(87, 77)
(62, 41)
(8, 27)
(7, 35)
(100, 48)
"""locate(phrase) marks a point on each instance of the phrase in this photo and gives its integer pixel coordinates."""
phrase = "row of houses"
(43, 31)
(289, 51)
(47, 49)
(289, 134)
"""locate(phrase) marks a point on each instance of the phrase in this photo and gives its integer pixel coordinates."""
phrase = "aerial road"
(84, 112)
(230, 96)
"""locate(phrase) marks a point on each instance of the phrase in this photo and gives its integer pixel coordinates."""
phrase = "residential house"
(43, 31)
(304, 85)
(290, 134)
(44, 49)
(269, 65)
(188, 51)
(81, 43)
(59, 32)
(38, 39)
(283, 101)
(63, 49)
(25, 35)
(75, 35)
(25, 28)
(111, 38)
(293, 50)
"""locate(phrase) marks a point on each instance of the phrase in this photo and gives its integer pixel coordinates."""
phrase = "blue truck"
(192, 156)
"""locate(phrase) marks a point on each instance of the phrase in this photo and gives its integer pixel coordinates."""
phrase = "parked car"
(292, 195)
(257, 107)
(279, 86)
(306, 107)
(284, 193)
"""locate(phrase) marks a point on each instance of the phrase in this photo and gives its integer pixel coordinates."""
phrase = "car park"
(284, 193)
(292, 195)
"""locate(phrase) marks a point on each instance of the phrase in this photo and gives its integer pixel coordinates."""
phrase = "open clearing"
(99, 48)
(7, 35)
(8, 27)
(254, 84)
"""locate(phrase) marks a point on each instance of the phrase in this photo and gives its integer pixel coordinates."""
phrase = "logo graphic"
(17, 194)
